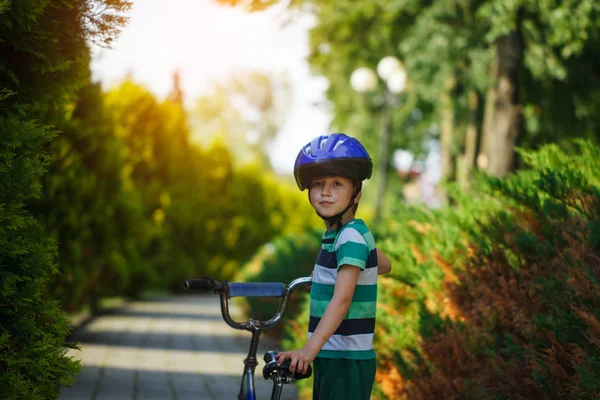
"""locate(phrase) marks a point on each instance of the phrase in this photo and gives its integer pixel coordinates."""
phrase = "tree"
(248, 111)
(33, 328)
(209, 214)
(45, 53)
(91, 209)
(44, 59)
(515, 55)
(535, 46)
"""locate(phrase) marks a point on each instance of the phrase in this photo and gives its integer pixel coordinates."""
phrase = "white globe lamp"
(396, 82)
(363, 80)
(387, 65)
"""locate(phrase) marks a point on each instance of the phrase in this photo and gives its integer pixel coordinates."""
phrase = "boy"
(343, 295)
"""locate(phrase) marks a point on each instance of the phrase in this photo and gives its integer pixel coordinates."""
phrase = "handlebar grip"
(283, 369)
(206, 283)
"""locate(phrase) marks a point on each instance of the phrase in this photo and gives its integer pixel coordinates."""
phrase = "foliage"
(559, 57)
(33, 328)
(495, 307)
(44, 60)
(43, 43)
(129, 201)
(211, 214)
(444, 39)
(246, 112)
(457, 47)
(90, 207)
(366, 31)
(103, 19)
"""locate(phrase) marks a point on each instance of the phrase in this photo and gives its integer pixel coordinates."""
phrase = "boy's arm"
(384, 265)
(337, 308)
(332, 318)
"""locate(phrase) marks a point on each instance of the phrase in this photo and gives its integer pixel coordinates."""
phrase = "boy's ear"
(358, 196)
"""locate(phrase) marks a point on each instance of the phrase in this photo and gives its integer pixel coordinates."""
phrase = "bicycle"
(279, 374)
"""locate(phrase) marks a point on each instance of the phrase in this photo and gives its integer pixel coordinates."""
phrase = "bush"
(32, 353)
(210, 215)
(90, 209)
(503, 306)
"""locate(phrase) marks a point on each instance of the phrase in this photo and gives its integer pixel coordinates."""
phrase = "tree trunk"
(467, 161)
(446, 135)
(502, 122)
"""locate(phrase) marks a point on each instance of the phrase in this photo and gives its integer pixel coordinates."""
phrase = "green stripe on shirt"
(362, 293)
(356, 310)
(356, 253)
(370, 240)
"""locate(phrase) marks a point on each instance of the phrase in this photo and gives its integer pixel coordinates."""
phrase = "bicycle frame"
(255, 327)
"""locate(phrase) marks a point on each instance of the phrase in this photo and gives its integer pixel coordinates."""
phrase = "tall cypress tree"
(44, 58)
(32, 362)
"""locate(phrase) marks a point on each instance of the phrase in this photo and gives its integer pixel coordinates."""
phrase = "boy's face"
(331, 195)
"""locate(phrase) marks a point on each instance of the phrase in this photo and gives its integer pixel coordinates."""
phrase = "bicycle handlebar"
(256, 289)
(248, 289)
(206, 284)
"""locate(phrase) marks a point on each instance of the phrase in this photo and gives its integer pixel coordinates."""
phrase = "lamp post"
(364, 80)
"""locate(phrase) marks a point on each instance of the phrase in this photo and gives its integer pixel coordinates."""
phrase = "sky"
(208, 42)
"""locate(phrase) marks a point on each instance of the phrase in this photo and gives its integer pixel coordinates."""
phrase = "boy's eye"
(316, 183)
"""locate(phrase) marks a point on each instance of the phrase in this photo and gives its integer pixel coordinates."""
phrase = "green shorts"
(339, 378)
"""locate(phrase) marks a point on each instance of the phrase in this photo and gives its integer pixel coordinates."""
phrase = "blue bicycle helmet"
(336, 154)
(333, 155)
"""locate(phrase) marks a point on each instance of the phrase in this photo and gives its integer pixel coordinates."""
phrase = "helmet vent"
(338, 144)
(322, 143)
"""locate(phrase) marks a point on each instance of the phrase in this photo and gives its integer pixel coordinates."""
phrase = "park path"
(177, 348)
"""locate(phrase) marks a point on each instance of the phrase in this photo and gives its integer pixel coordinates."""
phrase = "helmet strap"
(337, 219)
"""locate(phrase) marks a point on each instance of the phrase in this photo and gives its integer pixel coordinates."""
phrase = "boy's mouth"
(324, 203)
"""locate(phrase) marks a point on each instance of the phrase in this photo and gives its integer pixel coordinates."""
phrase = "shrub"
(90, 209)
(505, 306)
(32, 354)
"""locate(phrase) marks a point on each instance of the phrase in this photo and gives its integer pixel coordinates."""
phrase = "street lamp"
(364, 80)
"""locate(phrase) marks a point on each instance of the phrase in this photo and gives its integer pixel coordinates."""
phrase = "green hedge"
(90, 208)
(499, 297)
(32, 332)
(44, 61)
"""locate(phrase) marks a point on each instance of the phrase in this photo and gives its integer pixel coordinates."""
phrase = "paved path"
(175, 348)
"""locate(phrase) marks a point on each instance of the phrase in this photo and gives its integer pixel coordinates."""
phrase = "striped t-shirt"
(352, 245)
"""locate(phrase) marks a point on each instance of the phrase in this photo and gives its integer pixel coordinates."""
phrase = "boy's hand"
(384, 265)
(301, 359)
